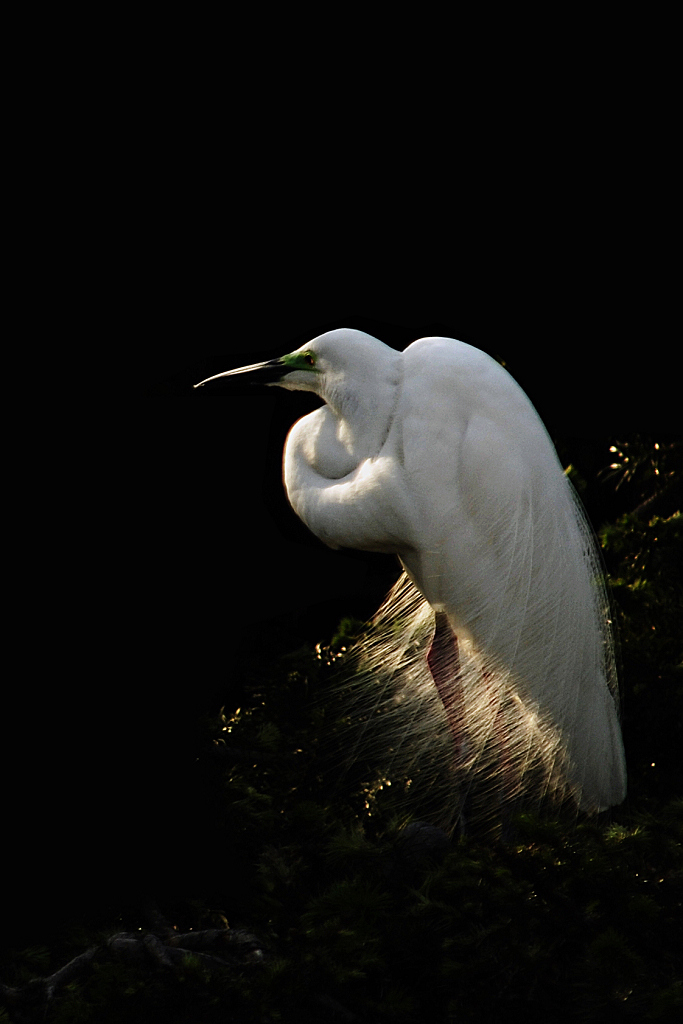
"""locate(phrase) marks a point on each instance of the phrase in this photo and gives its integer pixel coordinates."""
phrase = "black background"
(167, 551)
(196, 203)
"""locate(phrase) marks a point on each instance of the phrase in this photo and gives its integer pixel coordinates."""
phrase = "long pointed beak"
(270, 372)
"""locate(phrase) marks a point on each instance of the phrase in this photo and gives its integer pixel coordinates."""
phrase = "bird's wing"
(504, 550)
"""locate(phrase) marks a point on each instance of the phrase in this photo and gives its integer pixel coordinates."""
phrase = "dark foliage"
(357, 920)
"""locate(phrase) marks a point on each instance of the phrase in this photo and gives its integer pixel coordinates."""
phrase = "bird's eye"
(309, 360)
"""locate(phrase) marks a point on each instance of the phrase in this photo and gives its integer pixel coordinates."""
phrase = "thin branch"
(161, 949)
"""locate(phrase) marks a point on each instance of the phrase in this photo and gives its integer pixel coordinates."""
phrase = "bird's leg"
(444, 664)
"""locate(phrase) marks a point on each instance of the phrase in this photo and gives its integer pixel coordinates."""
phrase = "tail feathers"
(515, 756)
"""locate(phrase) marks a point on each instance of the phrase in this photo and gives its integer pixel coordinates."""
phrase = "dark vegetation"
(315, 906)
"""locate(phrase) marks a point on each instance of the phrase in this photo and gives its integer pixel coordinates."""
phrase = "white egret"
(437, 455)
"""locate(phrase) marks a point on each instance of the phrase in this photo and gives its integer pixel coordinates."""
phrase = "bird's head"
(331, 365)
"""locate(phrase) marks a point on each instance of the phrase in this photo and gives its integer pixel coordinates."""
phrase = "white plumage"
(437, 455)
